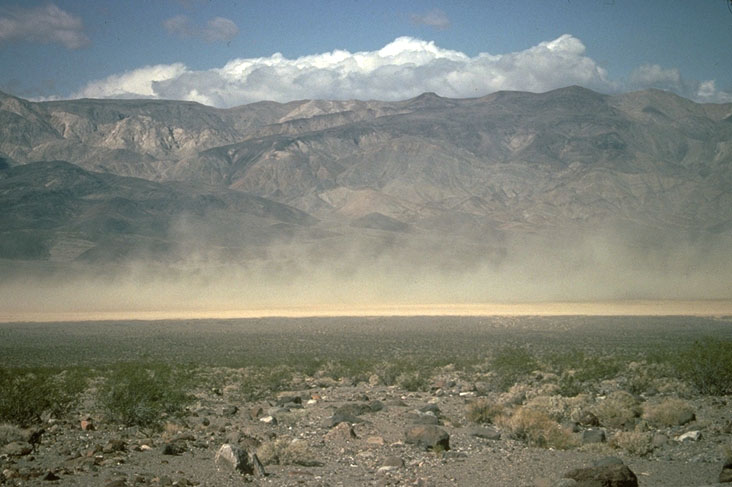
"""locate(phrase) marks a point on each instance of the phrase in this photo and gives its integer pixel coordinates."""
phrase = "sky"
(226, 53)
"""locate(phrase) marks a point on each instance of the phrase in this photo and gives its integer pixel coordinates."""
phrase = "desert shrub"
(537, 429)
(669, 412)
(28, 394)
(483, 410)
(285, 451)
(412, 381)
(510, 365)
(144, 394)
(707, 365)
(634, 442)
(260, 382)
(580, 373)
(617, 410)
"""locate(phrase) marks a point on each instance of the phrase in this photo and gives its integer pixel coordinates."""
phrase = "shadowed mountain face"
(450, 182)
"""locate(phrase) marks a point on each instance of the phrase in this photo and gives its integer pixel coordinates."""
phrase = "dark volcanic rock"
(613, 475)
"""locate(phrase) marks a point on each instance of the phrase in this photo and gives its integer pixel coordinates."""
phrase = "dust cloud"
(607, 272)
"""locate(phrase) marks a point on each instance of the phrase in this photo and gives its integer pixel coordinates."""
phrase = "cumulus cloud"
(47, 24)
(670, 79)
(434, 18)
(218, 29)
(402, 69)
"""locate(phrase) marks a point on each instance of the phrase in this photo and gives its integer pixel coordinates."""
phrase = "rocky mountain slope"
(428, 170)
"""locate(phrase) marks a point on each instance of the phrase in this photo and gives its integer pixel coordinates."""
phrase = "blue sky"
(227, 52)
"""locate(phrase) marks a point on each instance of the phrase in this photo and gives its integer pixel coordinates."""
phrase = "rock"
(268, 420)
(353, 409)
(428, 437)
(725, 476)
(255, 412)
(342, 432)
(17, 449)
(375, 440)
(87, 425)
(233, 458)
(418, 417)
(686, 417)
(229, 410)
(50, 476)
(593, 435)
(603, 476)
(115, 445)
(116, 483)
(288, 399)
(486, 433)
(173, 448)
(659, 440)
(393, 461)
(689, 436)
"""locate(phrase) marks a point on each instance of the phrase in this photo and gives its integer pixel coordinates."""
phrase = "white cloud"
(402, 69)
(48, 25)
(138, 83)
(670, 79)
(434, 18)
(218, 29)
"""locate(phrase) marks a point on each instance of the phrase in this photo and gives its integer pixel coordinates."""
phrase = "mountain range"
(111, 180)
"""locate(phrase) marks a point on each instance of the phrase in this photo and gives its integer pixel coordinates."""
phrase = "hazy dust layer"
(598, 308)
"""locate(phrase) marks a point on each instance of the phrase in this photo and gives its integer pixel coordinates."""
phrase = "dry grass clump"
(285, 451)
(537, 429)
(669, 412)
(634, 442)
(10, 433)
(483, 410)
(618, 410)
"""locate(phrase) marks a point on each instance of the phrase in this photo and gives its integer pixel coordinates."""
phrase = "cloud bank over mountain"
(402, 69)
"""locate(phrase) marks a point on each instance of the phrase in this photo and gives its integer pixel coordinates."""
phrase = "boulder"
(235, 459)
(612, 475)
(428, 437)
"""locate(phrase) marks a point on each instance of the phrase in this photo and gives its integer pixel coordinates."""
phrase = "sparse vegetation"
(537, 429)
(618, 410)
(29, 394)
(512, 364)
(668, 412)
(634, 442)
(145, 394)
(483, 410)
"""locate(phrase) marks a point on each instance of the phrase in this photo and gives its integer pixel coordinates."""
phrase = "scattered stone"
(486, 432)
(603, 476)
(593, 435)
(268, 420)
(87, 425)
(353, 409)
(338, 418)
(428, 437)
(689, 436)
